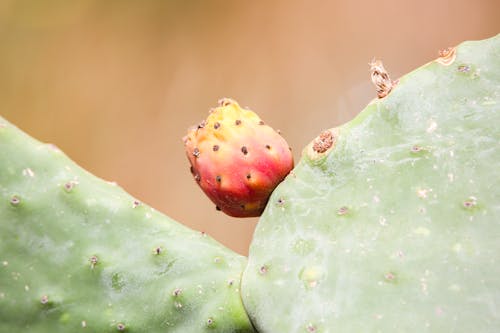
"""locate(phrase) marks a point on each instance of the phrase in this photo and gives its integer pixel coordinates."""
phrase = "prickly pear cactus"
(236, 159)
(79, 254)
(391, 223)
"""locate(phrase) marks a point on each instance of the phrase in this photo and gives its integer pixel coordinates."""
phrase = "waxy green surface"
(397, 229)
(78, 254)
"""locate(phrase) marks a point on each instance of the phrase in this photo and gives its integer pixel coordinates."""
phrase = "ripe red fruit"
(236, 159)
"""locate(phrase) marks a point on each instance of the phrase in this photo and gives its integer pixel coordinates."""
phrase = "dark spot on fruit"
(202, 124)
(244, 150)
(191, 169)
(463, 68)
(268, 147)
(120, 327)
(44, 300)
(278, 131)
(136, 203)
(249, 176)
(210, 322)
(225, 101)
(215, 147)
(197, 177)
(158, 250)
(216, 125)
(280, 202)
(15, 200)
(218, 179)
(196, 152)
(242, 207)
(261, 122)
(218, 208)
(263, 269)
(237, 122)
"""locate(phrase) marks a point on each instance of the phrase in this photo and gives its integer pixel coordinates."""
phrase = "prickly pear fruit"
(78, 254)
(237, 159)
(391, 222)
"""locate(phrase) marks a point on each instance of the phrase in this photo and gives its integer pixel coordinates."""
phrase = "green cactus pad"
(78, 254)
(397, 227)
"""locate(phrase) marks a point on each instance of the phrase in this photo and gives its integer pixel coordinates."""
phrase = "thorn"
(202, 124)
(416, 149)
(93, 261)
(447, 56)
(176, 292)
(70, 185)
(323, 142)
(380, 78)
(342, 210)
(226, 101)
(15, 200)
(196, 152)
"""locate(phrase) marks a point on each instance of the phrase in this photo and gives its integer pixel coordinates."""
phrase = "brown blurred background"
(116, 83)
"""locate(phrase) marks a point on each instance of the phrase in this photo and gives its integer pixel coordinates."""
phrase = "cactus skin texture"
(237, 159)
(80, 254)
(395, 228)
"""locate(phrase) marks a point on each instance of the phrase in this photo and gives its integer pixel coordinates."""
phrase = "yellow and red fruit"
(237, 159)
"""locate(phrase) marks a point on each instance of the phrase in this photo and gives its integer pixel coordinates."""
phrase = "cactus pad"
(78, 254)
(391, 223)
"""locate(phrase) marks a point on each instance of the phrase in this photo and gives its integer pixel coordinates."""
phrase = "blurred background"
(116, 83)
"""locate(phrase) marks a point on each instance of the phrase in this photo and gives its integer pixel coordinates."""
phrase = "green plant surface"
(79, 254)
(397, 228)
